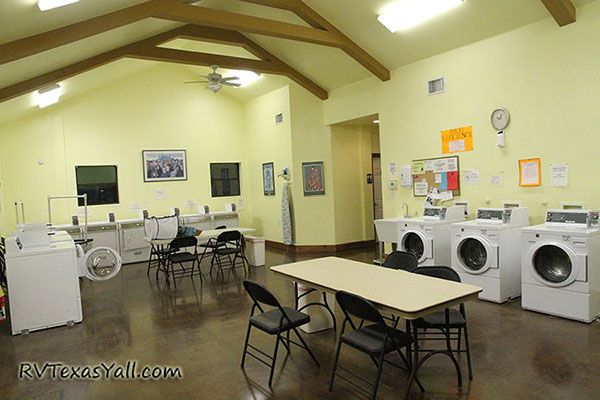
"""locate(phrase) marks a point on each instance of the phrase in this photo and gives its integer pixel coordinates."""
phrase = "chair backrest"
(401, 260)
(356, 306)
(184, 241)
(260, 294)
(440, 272)
(221, 227)
(229, 236)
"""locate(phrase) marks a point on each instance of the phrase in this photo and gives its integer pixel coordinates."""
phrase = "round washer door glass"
(413, 243)
(472, 254)
(552, 263)
(101, 264)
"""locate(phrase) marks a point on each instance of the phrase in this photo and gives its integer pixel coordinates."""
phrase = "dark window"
(99, 182)
(225, 179)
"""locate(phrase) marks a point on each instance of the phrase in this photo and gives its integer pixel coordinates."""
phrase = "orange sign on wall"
(457, 140)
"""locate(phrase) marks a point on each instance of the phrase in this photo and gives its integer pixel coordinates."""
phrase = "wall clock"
(500, 119)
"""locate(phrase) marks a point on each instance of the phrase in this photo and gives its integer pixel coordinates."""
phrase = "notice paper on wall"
(471, 176)
(421, 188)
(393, 169)
(428, 165)
(530, 172)
(136, 207)
(457, 140)
(406, 176)
(559, 174)
(496, 180)
(160, 194)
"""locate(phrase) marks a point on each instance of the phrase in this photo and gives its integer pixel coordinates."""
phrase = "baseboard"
(319, 249)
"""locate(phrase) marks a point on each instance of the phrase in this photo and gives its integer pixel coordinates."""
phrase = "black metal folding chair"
(278, 321)
(376, 340)
(177, 255)
(210, 245)
(437, 320)
(229, 249)
(3, 281)
(401, 260)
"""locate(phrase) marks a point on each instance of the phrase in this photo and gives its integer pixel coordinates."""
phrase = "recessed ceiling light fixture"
(405, 14)
(50, 4)
(246, 78)
(48, 95)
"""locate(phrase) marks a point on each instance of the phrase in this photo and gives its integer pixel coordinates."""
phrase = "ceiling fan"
(216, 81)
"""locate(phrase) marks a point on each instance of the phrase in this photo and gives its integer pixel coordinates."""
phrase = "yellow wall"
(112, 125)
(267, 142)
(548, 77)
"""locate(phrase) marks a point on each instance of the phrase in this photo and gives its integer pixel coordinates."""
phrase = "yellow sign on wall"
(457, 140)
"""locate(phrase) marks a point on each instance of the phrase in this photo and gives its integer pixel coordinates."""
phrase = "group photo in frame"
(164, 165)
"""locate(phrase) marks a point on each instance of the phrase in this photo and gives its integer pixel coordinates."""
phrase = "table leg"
(324, 304)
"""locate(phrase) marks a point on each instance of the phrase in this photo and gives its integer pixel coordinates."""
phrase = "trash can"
(255, 250)
(320, 318)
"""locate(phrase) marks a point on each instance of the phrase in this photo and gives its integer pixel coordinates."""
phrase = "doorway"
(377, 188)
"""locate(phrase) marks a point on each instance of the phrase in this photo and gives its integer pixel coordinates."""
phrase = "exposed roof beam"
(316, 20)
(563, 11)
(195, 32)
(30, 45)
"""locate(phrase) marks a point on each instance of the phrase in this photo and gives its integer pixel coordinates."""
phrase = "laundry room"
(250, 199)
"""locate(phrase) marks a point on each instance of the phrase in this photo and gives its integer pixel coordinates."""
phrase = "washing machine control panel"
(435, 212)
(582, 218)
(494, 215)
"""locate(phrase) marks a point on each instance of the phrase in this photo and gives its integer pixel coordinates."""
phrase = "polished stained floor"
(516, 354)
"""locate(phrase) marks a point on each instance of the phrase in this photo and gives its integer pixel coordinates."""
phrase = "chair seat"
(269, 321)
(226, 250)
(438, 319)
(370, 339)
(182, 257)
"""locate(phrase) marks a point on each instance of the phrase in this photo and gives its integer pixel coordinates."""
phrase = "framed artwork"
(268, 179)
(313, 177)
(164, 165)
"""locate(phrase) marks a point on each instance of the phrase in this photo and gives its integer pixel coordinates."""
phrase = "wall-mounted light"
(48, 95)
(45, 5)
(405, 14)
(376, 121)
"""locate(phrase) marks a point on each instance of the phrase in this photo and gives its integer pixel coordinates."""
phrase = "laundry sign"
(457, 140)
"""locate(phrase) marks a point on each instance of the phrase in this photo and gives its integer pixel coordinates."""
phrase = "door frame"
(373, 156)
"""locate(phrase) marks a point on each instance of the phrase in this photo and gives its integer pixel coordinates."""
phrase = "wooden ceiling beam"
(564, 12)
(48, 40)
(316, 20)
(195, 32)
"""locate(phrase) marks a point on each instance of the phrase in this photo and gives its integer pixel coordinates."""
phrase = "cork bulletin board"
(442, 173)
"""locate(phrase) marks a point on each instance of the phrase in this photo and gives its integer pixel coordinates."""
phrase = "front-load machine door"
(417, 243)
(476, 254)
(100, 264)
(557, 265)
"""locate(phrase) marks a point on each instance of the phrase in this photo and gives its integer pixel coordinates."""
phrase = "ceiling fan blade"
(230, 78)
(232, 84)
(196, 82)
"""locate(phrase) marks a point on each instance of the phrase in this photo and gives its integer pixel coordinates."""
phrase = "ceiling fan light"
(48, 95)
(45, 5)
(246, 78)
(406, 14)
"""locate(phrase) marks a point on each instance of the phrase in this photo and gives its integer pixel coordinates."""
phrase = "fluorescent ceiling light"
(246, 77)
(405, 14)
(50, 4)
(48, 95)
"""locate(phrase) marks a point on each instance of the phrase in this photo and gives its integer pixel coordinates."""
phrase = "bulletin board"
(442, 173)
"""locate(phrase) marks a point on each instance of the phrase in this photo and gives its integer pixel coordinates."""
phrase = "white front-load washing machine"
(485, 252)
(428, 237)
(561, 265)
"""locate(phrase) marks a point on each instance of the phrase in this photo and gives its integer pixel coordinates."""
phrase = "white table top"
(408, 295)
(204, 235)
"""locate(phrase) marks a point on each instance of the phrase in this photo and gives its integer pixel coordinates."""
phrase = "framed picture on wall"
(313, 177)
(268, 170)
(164, 165)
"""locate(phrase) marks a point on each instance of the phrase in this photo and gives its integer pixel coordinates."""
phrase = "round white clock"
(500, 119)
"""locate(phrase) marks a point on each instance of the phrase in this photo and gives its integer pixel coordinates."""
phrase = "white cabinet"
(134, 247)
(104, 236)
(228, 219)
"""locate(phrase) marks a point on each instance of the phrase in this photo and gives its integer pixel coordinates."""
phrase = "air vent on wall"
(437, 86)
(279, 119)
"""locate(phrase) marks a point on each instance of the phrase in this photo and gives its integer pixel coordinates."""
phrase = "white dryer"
(485, 251)
(428, 237)
(561, 265)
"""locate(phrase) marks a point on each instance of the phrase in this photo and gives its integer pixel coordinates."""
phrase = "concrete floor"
(516, 354)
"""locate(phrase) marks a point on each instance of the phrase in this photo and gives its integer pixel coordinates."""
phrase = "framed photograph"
(164, 165)
(268, 171)
(313, 177)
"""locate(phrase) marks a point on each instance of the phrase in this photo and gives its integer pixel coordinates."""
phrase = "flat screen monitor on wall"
(225, 179)
(99, 182)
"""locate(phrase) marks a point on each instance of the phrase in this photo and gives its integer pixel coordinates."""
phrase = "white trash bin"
(255, 250)
(320, 319)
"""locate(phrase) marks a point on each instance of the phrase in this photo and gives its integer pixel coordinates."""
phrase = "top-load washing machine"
(428, 237)
(561, 265)
(485, 252)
